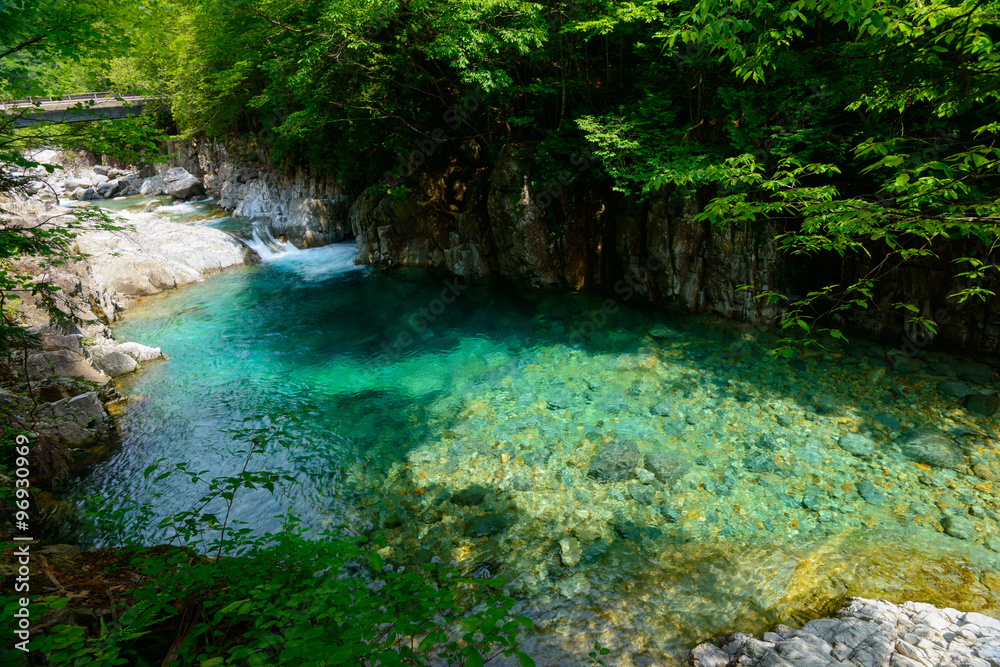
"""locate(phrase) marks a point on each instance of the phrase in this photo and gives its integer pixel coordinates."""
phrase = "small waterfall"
(309, 263)
(266, 245)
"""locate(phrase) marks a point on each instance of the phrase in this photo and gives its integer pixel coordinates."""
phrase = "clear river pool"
(465, 419)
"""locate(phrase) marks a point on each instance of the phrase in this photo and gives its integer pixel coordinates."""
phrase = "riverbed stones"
(857, 444)
(759, 462)
(662, 409)
(474, 495)
(614, 462)
(488, 525)
(642, 494)
(576, 586)
(984, 404)
(871, 494)
(667, 467)
(644, 476)
(570, 551)
(930, 447)
(958, 526)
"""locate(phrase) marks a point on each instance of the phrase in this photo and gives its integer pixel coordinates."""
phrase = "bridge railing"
(74, 97)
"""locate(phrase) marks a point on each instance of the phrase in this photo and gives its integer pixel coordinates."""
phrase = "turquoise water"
(420, 387)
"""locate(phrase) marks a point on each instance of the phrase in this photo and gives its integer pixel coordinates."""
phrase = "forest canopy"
(852, 122)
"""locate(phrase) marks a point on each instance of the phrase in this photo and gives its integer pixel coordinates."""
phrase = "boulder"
(114, 364)
(99, 179)
(180, 184)
(72, 183)
(101, 169)
(63, 363)
(313, 222)
(107, 190)
(152, 186)
(140, 352)
(930, 447)
(75, 421)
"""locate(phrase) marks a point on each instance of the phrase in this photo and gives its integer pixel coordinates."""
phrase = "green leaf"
(375, 561)
(524, 659)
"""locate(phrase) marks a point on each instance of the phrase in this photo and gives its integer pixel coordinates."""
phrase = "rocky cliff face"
(490, 219)
(494, 222)
(300, 207)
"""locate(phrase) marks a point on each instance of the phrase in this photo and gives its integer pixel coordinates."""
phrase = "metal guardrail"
(75, 97)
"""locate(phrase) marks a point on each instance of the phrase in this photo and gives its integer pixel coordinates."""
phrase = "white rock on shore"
(865, 633)
(154, 255)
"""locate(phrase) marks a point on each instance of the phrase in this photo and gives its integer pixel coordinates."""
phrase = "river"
(412, 388)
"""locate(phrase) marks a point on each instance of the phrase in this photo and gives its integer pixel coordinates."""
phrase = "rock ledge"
(865, 633)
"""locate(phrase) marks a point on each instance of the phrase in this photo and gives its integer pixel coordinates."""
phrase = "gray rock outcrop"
(153, 256)
(77, 421)
(865, 633)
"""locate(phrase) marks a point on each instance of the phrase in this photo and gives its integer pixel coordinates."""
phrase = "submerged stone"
(857, 444)
(668, 467)
(570, 553)
(488, 524)
(889, 421)
(955, 388)
(614, 462)
(470, 496)
(759, 462)
(871, 494)
(972, 371)
(958, 526)
(984, 404)
(574, 587)
(930, 447)
(662, 409)
(630, 530)
(641, 494)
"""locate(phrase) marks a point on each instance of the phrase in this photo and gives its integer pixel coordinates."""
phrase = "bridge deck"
(65, 109)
